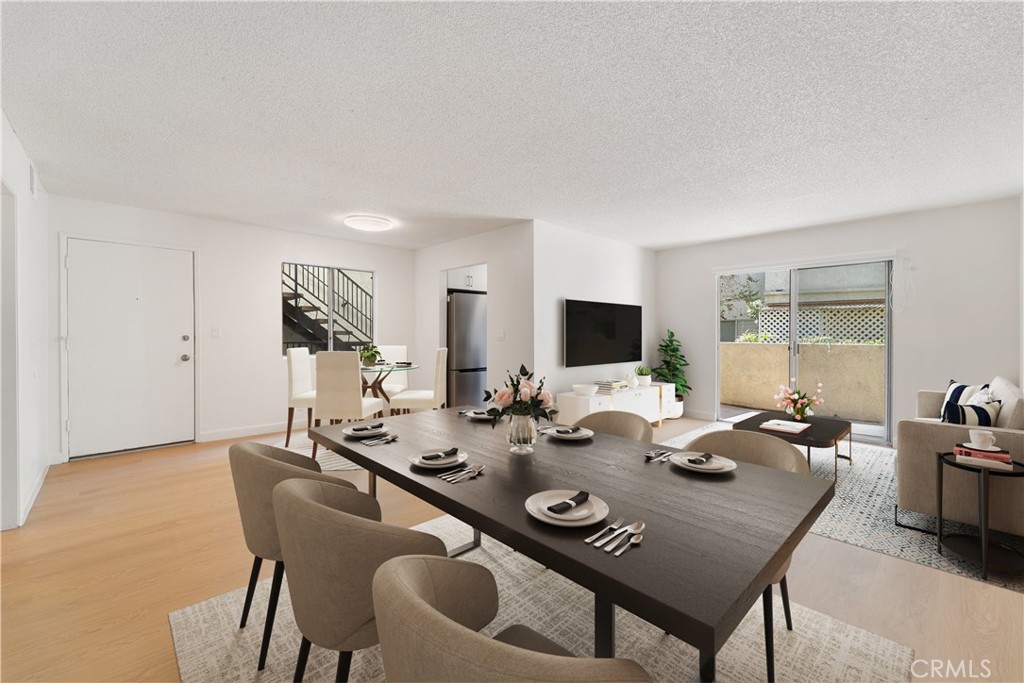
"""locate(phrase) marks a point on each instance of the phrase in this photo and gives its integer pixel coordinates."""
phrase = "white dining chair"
(397, 382)
(425, 398)
(300, 388)
(339, 390)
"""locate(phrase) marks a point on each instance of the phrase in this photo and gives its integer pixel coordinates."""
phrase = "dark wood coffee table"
(825, 432)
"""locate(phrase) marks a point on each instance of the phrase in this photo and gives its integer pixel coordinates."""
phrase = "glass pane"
(754, 340)
(303, 307)
(353, 309)
(842, 336)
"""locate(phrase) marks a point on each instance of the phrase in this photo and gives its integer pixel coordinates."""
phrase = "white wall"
(963, 321)
(569, 264)
(242, 376)
(508, 253)
(35, 338)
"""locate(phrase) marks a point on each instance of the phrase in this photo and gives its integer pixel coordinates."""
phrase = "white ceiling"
(658, 124)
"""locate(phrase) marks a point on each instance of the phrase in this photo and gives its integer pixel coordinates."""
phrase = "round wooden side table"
(1000, 558)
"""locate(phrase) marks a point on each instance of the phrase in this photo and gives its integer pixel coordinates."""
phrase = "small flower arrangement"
(521, 396)
(798, 403)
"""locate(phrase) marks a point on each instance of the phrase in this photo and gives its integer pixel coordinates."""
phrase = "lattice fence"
(858, 323)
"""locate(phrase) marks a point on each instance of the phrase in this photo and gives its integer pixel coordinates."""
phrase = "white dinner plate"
(982, 448)
(583, 433)
(347, 431)
(478, 415)
(456, 459)
(537, 505)
(717, 464)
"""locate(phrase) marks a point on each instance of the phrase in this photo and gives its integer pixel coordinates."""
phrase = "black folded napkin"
(566, 505)
(403, 362)
(566, 430)
(700, 459)
(441, 455)
(367, 428)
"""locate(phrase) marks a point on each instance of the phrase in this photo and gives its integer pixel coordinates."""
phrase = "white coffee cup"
(983, 438)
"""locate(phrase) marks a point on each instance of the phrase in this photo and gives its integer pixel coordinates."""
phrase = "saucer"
(983, 448)
(537, 505)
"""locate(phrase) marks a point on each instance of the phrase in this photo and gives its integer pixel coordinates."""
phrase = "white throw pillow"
(1011, 415)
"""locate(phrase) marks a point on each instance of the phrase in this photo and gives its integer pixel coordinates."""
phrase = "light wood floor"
(114, 544)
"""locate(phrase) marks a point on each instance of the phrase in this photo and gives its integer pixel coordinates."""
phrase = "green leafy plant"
(642, 371)
(672, 363)
(750, 337)
(369, 354)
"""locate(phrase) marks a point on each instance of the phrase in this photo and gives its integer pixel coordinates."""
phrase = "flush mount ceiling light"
(369, 223)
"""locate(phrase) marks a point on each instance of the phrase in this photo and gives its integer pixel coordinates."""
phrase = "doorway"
(840, 339)
(130, 347)
(9, 361)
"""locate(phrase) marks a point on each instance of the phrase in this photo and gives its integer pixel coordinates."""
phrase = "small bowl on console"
(584, 389)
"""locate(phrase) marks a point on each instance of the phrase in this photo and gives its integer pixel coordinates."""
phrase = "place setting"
(707, 463)
(566, 507)
(567, 432)
(476, 414)
(371, 434)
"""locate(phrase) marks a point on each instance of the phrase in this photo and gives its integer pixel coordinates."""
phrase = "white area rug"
(210, 646)
(328, 459)
(861, 513)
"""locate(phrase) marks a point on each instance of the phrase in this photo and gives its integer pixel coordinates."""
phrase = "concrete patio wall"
(853, 376)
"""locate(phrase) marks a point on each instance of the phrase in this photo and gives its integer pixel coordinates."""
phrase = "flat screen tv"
(597, 333)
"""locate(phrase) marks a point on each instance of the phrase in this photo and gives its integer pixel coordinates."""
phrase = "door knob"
(185, 356)
(184, 337)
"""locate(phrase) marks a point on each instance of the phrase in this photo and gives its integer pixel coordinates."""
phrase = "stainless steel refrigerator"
(467, 348)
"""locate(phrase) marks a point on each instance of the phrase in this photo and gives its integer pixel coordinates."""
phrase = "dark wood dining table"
(711, 546)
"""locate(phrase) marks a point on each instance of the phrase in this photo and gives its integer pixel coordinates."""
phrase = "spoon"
(633, 529)
(632, 542)
(654, 455)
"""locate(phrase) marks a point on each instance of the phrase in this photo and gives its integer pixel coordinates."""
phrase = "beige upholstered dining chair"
(255, 469)
(397, 382)
(426, 398)
(300, 388)
(429, 611)
(769, 451)
(333, 541)
(618, 423)
(339, 390)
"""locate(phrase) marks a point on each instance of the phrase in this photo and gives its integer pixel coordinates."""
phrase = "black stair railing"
(306, 290)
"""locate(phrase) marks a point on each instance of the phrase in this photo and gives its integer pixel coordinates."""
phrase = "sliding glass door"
(839, 339)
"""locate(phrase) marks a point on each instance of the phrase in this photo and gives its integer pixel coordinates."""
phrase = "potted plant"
(671, 370)
(643, 375)
(369, 354)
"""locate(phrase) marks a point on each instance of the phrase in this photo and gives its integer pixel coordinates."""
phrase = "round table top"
(1017, 471)
(388, 367)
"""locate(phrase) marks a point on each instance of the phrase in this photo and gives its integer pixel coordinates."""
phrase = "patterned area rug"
(210, 646)
(301, 444)
(861, 513)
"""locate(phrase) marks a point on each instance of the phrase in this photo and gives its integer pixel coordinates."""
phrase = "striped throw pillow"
(981, 415)
(959, 394)
(962, 407)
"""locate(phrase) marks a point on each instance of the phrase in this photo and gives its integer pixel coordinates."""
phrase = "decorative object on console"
(631, 381)
(526, 402)
(671, 370)
(584, 389)
(369, 354)
(643, 375)
(798, 403)
(965, 404)
(610, 386)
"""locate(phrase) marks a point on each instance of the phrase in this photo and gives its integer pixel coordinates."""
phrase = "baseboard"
(250, 430)
(26, 507)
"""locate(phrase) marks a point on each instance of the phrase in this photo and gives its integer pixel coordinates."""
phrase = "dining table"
(711, 545)
(380, 372)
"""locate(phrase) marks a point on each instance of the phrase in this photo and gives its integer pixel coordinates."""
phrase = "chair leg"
(769, 636)
(275, 591)
(288, 436)
(300, 665)
(316, 423)
(785, 603)
(344, 662)
(254, 578)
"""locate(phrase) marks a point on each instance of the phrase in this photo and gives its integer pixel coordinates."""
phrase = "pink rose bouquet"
(521, 396)
(798, 403)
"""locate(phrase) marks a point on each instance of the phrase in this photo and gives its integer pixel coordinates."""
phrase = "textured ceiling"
(659, 124)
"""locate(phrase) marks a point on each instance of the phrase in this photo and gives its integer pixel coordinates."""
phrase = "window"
(326, 309)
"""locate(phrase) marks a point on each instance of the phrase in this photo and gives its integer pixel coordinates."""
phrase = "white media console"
(653, 402)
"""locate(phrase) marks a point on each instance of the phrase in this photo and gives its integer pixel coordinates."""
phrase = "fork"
(611, 527)
(472, 474)
(452, 473)
(381, 440)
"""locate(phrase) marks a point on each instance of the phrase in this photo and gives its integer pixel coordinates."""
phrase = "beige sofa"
(918, 441)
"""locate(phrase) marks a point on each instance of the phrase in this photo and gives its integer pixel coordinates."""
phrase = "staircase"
(314, 297)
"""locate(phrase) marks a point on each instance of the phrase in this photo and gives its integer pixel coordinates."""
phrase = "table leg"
(366, 385)
(707, 665)
(835, 467)
(983, 520)
(938, 503)
(466, 547)
(808, 457)
(604, 627)
(371, 483)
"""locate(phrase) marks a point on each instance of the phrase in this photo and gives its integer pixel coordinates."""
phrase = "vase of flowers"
(526, 402)
(798, 404)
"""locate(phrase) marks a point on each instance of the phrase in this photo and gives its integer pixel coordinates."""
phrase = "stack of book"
(997, 460)
(610, 386)
(786, 426)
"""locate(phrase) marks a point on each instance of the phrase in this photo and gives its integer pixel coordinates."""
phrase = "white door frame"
(10, 448)
(197, 355)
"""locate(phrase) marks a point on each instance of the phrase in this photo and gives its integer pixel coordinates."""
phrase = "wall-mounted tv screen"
(598, 333)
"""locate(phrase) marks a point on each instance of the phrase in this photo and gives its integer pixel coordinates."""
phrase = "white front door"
(130, 346)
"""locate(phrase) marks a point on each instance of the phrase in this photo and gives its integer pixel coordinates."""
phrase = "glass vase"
(522, 433)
